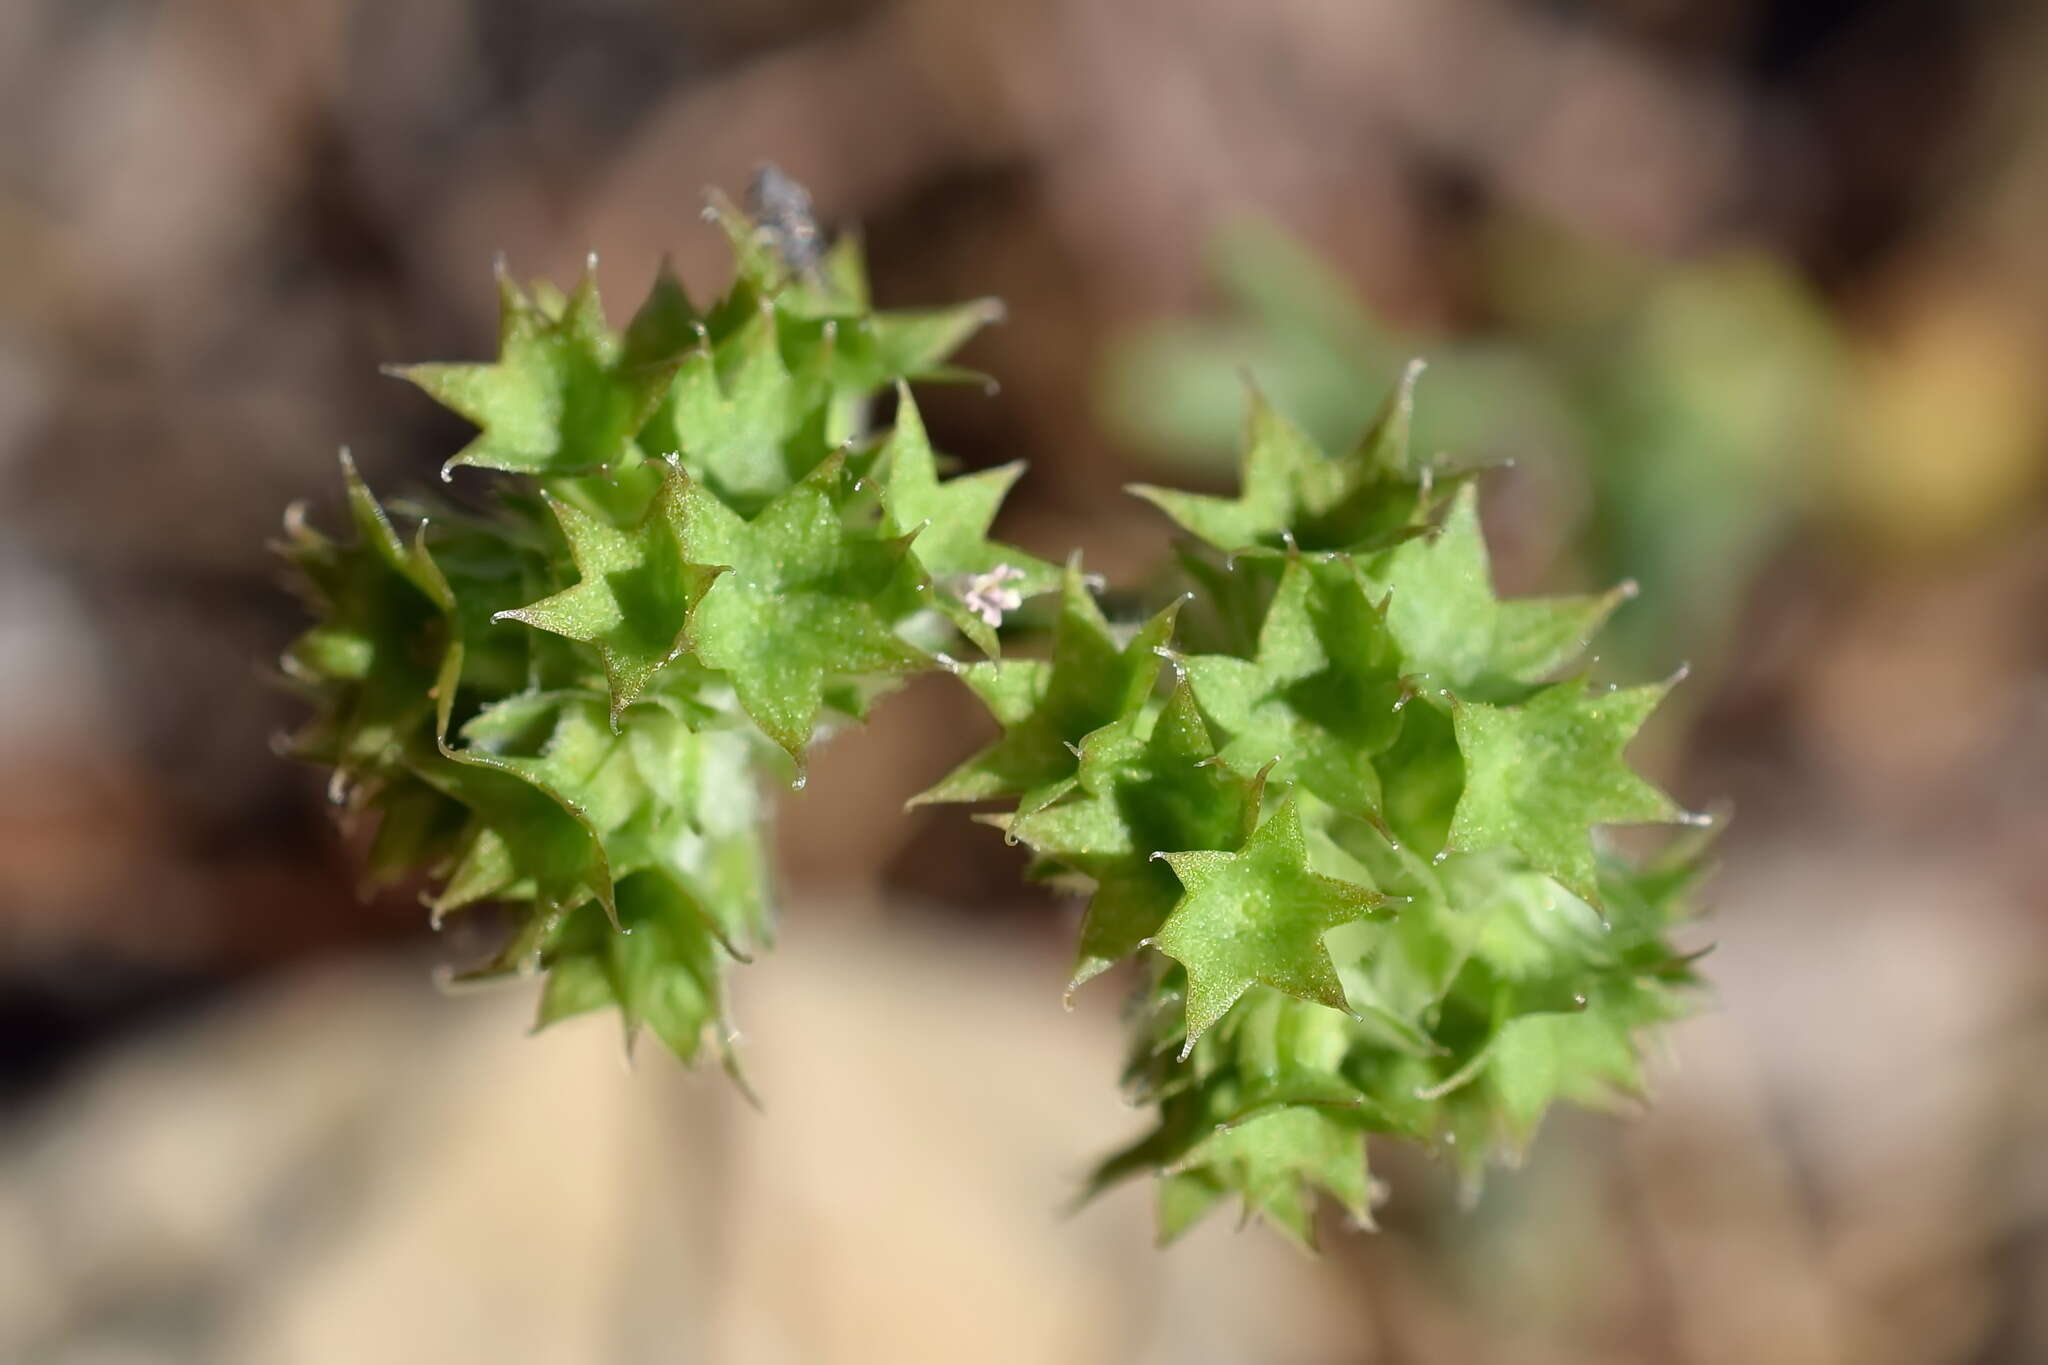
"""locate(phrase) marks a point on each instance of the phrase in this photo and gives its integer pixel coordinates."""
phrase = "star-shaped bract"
(1291, 494)
(1048, 708)
(562, 742)
(662, 968)
(735, 417)
(1321, 697)
(1540, 774)
(795, 613)
(1257, 918)
(1139, 794)
(1453, 633)
(951, 520)
(635, 592)
(525, 839)
(1275, 1161)
(566, 394)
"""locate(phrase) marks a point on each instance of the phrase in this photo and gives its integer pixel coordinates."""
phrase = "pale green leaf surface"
(1454, 634)
(1540, 774)
(1321, 697)
(1139, 794)
(564, 396)
(795, 611)
(1291, 495)
(1257, 918)
(635, 592)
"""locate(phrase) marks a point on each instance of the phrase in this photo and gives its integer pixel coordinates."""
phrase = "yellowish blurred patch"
(1943, 437)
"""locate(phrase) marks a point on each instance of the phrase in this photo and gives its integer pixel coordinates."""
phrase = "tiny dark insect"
(781, 209)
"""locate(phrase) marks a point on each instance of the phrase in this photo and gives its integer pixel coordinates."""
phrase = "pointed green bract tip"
(1293, 496)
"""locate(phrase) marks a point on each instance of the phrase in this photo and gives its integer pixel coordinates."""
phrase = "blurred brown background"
(1754, 295)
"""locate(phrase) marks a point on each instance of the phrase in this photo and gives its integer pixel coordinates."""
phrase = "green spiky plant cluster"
(1353, 841)
(692, 562)
(1337, 798)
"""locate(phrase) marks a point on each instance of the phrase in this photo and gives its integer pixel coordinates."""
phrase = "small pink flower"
(988, 598)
